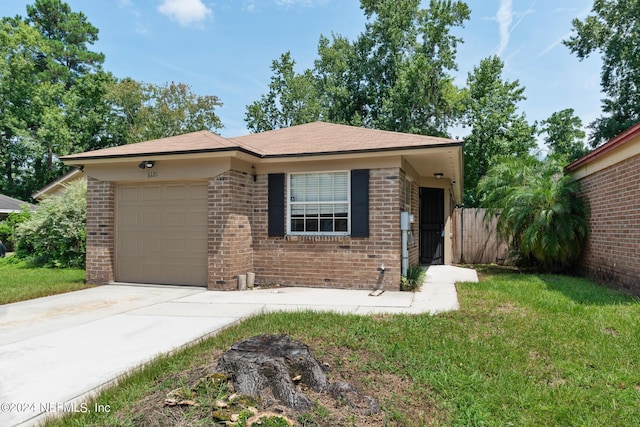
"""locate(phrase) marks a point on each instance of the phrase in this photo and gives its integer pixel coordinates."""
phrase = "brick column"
(100, 231)
(230, 246)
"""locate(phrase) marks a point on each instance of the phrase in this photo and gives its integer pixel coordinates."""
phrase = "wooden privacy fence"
(475, 240)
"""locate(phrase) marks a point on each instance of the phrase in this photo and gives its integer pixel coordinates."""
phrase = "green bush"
(8, 226)
(540, 211)
(413, 280)
(55, 234)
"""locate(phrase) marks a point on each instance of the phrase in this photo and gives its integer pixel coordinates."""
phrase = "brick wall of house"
(334, 261)
(230, 248)
(100, 231)
(612, 254)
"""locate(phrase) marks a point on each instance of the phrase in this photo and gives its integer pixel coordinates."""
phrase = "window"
(319, 203)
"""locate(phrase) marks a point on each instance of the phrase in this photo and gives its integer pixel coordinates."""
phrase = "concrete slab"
(21, 320)
(60, 349)
(450, 274)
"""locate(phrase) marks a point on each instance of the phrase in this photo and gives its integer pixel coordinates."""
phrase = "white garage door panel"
(162, 233)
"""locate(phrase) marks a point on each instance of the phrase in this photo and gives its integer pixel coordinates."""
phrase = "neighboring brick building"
(610, 180)
(311, 205)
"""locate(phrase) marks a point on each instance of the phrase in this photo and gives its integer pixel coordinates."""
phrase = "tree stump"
(265, 366)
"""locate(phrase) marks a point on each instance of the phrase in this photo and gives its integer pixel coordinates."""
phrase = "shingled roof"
(9, 204)
(328, 138)
(308, 139)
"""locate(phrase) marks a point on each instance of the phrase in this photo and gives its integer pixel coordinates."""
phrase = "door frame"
(441, 224)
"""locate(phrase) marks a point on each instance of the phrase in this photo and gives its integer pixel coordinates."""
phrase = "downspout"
(405, 226)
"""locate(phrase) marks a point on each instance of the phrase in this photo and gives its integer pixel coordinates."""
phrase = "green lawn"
(20, 282)
(524, 350)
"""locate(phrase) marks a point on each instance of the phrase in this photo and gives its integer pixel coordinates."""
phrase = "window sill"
(318, 237)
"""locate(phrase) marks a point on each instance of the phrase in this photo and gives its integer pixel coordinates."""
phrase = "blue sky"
(225, 47)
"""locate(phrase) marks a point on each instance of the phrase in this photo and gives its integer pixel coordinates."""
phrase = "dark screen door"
(431, 226)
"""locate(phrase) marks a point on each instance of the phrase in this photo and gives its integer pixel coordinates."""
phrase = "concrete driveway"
(57, 351)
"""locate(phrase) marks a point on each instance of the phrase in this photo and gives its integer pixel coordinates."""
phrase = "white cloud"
(186, 12)
(504, 18)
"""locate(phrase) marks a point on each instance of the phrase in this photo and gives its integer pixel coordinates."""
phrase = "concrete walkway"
(58, 350)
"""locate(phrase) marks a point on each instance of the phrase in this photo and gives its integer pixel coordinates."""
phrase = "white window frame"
(318, 233)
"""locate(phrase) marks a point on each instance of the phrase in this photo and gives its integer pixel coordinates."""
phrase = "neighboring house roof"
(316, 138)
(58, 185)
(623, 146)
(9, 204)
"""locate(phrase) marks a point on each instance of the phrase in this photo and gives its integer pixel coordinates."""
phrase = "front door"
(431, 226)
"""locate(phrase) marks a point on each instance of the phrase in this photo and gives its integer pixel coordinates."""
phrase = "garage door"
(161, 233)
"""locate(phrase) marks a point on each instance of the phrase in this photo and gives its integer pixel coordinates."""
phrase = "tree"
(612, 31)
(498, 130)
(43, 58)
(143, 111)
(55, 99)
(69, 34)
(539, 210)
(292, 99)
(394, 76)
(564, 135)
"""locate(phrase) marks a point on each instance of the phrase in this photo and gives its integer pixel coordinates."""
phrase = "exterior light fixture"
(438, 175)
(147, 164)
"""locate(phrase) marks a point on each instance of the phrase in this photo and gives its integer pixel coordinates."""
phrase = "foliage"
(42, 59)
(414, 279)
(55, 99)
(55, 235)
(394, 76)
(292, 99)
(523, 350)
(143, 111)
(612, 31)
(8, 226)
(564, 135)
(497, 129)
(541, 213)
(20, 281)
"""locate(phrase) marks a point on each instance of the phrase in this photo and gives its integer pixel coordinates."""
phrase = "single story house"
(59, 185)
(10, 205)
(610, 180)
(317, 205)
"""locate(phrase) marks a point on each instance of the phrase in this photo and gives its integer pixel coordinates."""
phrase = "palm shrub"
(55, 234)
(539, 210)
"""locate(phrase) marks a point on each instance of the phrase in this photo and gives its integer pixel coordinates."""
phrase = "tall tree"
(612, 30)
(292, 99)
(394, 76)
(143, 111)
(19, 100)
(497, 129)
(564, 135)
(69, 34)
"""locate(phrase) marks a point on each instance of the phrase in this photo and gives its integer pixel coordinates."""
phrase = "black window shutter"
(360, 203)
(276, 205)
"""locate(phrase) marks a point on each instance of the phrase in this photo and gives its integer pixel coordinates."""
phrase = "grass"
(524, 350)
(19, 281)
